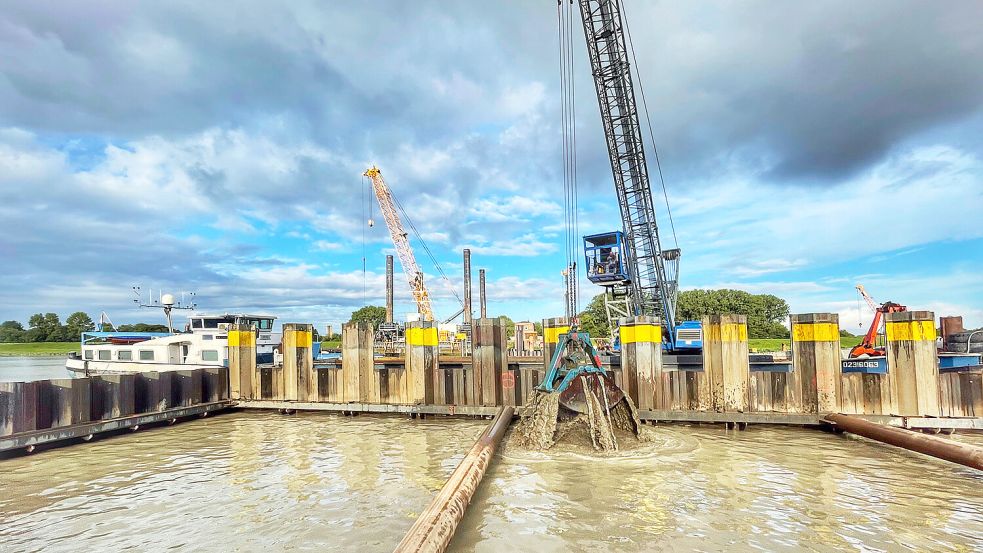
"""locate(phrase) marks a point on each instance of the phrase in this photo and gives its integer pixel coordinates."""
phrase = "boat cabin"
(607, 262)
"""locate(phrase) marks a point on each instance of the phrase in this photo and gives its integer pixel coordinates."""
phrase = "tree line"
(47, 327)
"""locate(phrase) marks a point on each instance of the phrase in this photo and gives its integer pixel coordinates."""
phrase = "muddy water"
(708, 489)
(241, 481)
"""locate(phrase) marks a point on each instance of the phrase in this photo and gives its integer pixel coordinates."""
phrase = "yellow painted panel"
(910, 331)
(640, 333)
(241, 338)
(816, 332)
(305, 338)
(552, 334)
(421, 336)
(711, 333)
(733, 332)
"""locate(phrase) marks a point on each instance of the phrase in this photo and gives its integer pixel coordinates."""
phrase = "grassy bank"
(333, 344)
(39, 348)
(775, 344)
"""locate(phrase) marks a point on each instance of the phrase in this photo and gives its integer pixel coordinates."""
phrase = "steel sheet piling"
(964, 454)
(432, 532)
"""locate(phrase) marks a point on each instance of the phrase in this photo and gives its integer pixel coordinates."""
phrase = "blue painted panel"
(957, 361)
(871, 365)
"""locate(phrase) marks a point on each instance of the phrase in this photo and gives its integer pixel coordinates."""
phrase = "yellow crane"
(401, 242)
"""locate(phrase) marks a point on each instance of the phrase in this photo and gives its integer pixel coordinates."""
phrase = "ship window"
(209, 355)
(105, 355)
(212, 323)
(197, 323)
(88, 354)
(265, 324)
(206, 336)
(146, 355)
(124, 355)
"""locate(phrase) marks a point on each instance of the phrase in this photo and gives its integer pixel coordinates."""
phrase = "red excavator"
(867, 347)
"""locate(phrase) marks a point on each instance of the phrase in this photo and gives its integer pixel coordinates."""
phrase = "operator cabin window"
(146, 355)
(88, 354)
(105, 355)
(209, 355)
(125, 356)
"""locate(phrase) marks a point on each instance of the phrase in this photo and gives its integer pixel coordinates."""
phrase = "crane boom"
(870, 301)
(653, 271)
(401, 242)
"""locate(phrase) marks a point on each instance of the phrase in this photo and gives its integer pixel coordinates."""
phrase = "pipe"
(964, 454)
(467, 286)
(389, 288)
(432, 532)
(481, 293)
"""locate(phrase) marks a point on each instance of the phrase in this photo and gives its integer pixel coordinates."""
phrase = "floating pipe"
(432, 532)
(964, 454)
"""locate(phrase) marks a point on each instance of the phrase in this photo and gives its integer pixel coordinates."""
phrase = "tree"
(44, 326)
(594, 318)
(372, 314)
(142, 327)
(11, 331)
(77, 323)
(509, 326)
(765, 313)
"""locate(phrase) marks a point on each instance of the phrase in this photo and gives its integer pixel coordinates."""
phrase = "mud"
(550, 425)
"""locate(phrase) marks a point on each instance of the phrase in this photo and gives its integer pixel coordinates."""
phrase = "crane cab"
(607, 262)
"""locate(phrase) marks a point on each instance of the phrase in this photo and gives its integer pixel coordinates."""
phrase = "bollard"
(725, 362)
(298, 361)
(552, 328)
(641, 360)
(815, 377)
(242, 361)
(913, 362)
(487, 362)
(421, 362)
(357, 382)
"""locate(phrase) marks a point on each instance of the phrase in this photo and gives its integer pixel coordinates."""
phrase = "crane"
(401, 242)
(868, 345)
(631, 264)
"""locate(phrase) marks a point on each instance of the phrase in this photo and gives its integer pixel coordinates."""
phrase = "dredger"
(577, 396)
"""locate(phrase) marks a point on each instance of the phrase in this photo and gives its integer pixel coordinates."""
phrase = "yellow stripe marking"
(421, 336)
(816, 332)
(640, 333)
(914, 331)
(552, 334)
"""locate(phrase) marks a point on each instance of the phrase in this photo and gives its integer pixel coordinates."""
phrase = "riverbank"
(38, 349)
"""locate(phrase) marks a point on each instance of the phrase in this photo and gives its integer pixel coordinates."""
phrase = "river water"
(251, 481)
(25, 369)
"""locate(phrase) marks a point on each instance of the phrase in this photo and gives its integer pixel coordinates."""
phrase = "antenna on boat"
(165, 302)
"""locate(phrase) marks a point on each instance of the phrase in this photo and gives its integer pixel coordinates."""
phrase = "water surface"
(29, 368)
(240, 481)
(708, 489)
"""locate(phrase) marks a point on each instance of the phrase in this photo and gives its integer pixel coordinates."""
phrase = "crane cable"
(648, 120)
(565, 18)
(364, 302)
(426, 248)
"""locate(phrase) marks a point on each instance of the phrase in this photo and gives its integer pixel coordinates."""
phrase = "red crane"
(867, 346)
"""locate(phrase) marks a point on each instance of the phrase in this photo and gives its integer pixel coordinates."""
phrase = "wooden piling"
(552, 329)
(242, 361)
(641, 360)
(357, 357)
(815, 374)
(725, 362)
(298, 361)
(913, 362)
(421, 362)
(488, 362)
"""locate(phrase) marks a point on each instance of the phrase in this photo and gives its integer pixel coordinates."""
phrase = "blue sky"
(183, 146)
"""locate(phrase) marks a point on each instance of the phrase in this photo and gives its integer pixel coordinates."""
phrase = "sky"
(217, 148)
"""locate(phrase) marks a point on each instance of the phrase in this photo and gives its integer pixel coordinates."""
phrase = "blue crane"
(631, 264)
